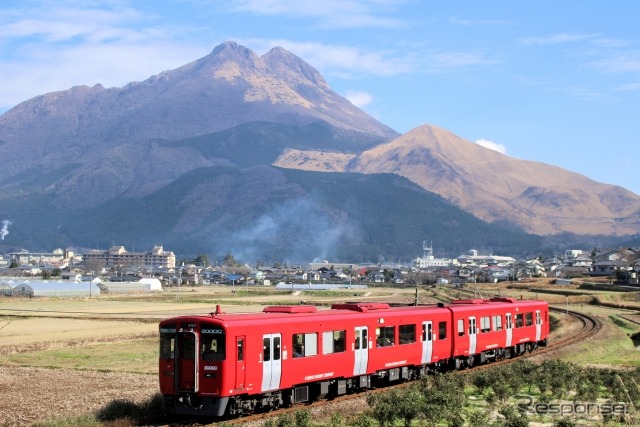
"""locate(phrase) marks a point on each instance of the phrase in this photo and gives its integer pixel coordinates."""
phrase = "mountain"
(532, 196)
(106, 136)
(258, 156)
(273, 214)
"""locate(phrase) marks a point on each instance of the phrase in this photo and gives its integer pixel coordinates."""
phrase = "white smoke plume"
(311, 233)
(5, 228)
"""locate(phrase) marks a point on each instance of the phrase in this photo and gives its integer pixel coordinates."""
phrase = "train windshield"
(212, 342)
(167, 341)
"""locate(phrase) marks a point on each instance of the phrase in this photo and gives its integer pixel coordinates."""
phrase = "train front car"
(193, 351)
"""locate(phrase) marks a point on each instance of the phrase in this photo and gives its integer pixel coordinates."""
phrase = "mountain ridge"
(216, 143)
(536, 196)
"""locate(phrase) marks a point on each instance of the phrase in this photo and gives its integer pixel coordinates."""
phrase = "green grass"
(612, 346)
(80, 420)
(137, 356)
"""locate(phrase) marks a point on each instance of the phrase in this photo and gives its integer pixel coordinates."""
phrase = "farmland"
(62, 358)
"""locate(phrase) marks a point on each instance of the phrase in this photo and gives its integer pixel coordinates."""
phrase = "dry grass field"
(64, 358)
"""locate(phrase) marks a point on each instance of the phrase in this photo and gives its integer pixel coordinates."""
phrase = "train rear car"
(489, 329)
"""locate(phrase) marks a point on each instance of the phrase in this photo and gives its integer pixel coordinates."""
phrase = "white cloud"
(61, 44)
(629, 87)
(112, 65)
(619, 62)
(359, 98)
(557, 39)
(340, 60)
(55, 22)
(492, 146)
(328, 13)
(456, 20)
(445, 61)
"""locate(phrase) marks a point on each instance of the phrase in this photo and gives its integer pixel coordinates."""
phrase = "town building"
(118, 256)
(429, 261)
(472, 258)
(56, 259)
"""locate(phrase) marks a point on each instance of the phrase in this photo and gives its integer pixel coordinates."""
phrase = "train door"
(271, 361)
(240, 368)
(186, 375)
(473, 330)
(427, 342)
(361, 350)
(538, 325)
(508, 327)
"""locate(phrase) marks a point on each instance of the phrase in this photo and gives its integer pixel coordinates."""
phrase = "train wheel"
(471, 361)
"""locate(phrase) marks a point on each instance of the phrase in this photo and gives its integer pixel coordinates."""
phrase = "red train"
(221, 364)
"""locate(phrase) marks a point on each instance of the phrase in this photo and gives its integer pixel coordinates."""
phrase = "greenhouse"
(318, 287)
(6, 289)
(144, 285)
(55, 289)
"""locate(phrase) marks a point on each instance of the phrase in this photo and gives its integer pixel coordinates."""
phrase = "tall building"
(118, 256)
(428, 260)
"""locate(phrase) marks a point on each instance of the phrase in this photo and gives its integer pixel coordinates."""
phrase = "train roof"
(366, 309)
(279, 312)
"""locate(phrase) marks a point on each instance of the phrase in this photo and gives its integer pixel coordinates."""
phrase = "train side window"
(276, 348)
(167, 341)
(240, 349)
(442, 330)
(485, 324)
(385, 336)
(427, 334)
(407, 334)
(460, 327)
(497, 323)
(167, 345)
(519, 320)
(528, 317)
(333, 342)
(266, 349)
(305, 344)
(473, 328)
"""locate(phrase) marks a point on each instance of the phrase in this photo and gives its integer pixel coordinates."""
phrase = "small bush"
(564, 422)
(302, 418)
(336, 420)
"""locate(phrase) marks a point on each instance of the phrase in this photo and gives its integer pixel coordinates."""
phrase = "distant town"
(118, 270)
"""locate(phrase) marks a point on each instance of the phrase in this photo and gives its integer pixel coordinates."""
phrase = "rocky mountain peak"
(285, 63)
(232, 51)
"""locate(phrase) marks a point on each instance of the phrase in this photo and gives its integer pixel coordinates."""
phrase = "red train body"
(222, 364)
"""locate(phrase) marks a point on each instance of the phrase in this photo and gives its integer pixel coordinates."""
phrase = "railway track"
(589, 327)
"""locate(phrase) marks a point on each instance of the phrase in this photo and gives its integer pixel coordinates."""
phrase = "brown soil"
(30, 395)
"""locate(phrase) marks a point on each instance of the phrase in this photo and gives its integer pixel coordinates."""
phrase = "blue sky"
(551, 81)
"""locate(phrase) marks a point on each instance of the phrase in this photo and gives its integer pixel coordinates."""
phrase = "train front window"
(212, 343)
(167, 341)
